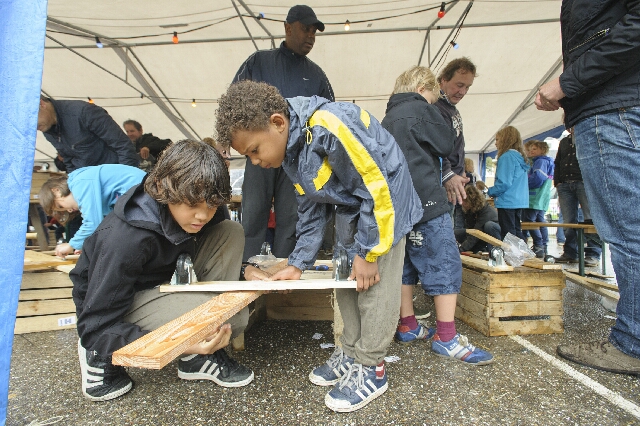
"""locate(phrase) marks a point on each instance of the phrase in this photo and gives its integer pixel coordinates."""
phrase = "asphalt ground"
(528, 384)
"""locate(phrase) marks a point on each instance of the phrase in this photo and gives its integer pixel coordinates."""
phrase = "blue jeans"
(509, 221)
(560, 231)
(608, 150)
(540, 236)
(570, 195)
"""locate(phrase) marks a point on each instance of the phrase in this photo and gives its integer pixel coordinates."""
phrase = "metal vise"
(341, 265)
(184, 273)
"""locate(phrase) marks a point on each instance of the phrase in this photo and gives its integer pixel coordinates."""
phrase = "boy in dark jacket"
(335, 153)
(431, 252)
(135, 249)
(478, 214)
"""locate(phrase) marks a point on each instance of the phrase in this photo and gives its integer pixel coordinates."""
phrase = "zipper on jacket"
(599, 34)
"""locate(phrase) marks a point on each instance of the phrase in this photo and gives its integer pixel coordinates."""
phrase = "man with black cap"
(293, 74)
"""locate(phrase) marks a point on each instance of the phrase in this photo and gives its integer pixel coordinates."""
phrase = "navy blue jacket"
(293, 75)
(86, 135)
(452, 164)
(600, 50)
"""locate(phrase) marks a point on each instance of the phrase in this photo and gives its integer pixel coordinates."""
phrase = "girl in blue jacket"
(511, 188)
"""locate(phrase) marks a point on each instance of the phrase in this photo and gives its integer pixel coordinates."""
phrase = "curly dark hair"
(463, 65)
(189, 172)
(475, 198)
(247, 105)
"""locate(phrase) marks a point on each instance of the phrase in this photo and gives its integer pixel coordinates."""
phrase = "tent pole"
(244, 23)
(273, 42)
(427, 38)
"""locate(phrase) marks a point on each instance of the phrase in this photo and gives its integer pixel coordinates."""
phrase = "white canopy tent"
(514, 44)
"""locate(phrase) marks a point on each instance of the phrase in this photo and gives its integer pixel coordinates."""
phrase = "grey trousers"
(371, 317)
(218, 258)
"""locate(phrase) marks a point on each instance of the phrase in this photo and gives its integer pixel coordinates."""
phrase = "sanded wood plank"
(44, 323)
(582, 281)
(509, 328)
(45, 294)
(485, 237)
(588, 229)
(65, 268)
(525, 309)
(34, 260)
(53, 279)
(221, 286)
(599, 283)
(483, 265)
(161, 346)
(473, 307)
(46, 307)
(541, 264)
(515, 294)
(480, 324)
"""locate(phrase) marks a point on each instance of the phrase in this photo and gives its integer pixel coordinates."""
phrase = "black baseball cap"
(305, 15)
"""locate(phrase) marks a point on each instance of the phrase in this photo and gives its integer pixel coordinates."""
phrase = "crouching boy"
(135, 249)
(336, 154)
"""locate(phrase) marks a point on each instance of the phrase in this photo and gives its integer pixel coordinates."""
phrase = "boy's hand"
(288, 273)
(366, 273)
(64, 249)
(251, 273)
(218, 340)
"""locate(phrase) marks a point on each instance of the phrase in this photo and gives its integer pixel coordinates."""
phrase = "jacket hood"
(138, 209)
(399, 98)
(521, 161)
(300, 110)
(544, 160)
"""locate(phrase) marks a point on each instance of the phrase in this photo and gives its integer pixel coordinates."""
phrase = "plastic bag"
(516, 250)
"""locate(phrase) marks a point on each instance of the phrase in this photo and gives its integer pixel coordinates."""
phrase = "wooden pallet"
(523, 301)
(34, 261)
(45, 303)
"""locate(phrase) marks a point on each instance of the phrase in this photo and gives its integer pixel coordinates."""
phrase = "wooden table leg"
(37, 224)
(580, 233)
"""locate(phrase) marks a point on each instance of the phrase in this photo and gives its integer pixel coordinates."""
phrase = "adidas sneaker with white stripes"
(217, 367)
(101, 380)
(331, 371)
(361, 385)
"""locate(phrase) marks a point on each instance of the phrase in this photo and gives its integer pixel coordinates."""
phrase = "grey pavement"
(520, 388)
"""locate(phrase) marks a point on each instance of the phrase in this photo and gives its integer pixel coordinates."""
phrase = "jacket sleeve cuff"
(447, 176)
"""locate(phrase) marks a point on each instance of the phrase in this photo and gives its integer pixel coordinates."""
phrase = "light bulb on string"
(347, 25)
(193, 103)
(175, 37)
(260, 16)
(454, 44)
(90, 100)
(441, 12)
(98, 42)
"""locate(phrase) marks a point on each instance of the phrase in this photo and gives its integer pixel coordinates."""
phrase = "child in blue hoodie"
(335, 153)
(511, 187)
(540, 178)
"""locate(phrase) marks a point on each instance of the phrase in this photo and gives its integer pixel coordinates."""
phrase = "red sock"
(410, 322)
(446, 330)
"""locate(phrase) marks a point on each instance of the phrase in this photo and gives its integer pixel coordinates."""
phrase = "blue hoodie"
(542, 169)
(338, 154)
(511, 187)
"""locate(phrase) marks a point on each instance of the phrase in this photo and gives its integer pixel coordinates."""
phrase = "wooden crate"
(305, 305)
(523, 301)
(45, 303)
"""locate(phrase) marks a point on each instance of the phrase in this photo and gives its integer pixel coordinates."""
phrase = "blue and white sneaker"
(404, 335)
(361, 385)
(459, 348)
(331, 371)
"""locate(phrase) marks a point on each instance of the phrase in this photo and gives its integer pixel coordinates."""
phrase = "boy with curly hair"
(335, 153)
(135, 248)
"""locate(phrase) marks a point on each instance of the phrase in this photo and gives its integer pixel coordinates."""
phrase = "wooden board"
(36, 280)
(300, 305)
(588, 229)
(31, 308)
(540, 326)
(594, 285)
(510, 294)
(541, 264)
(592, 274)
(45, 294)
(44, 323)
(485, 237)
(222, 286)
(483, 265)
(520, 277)
(161, 346)
(34, 261)
(525, 309)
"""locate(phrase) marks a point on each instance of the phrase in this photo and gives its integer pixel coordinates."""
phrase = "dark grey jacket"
(86, 135)
(453, 164)
(477, 220)
(600, 48)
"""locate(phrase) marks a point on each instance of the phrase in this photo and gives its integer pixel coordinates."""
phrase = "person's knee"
(239, 322)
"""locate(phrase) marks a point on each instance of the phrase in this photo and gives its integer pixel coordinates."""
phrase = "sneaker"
(565, 259)
(539, 251)
(101, 380)
(420, 313)
(361, 385)
(591, 262)
(217, 367)
(601, 356)
(404, 335)
(459, 348)
(331, 371)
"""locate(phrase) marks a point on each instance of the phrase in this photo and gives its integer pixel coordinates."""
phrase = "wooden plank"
(592, 274)
(585, 282)
(161, 346)
(541, 264)
(474, 293)
(485, 237)
(316, 275)
(300, 313)
(483, 265)
(222, 286)
(509, 328)
(44, 323)
(34, 260)
(527, 277)
(45, 294)
(65, 268)
(46, 307)
(473, 307)
(477, 279)
(300, 298)
(525, 309)
(54, 279)
(599, 283)
(480, 324)
(32, 235)
(515, 294)
(588, 229)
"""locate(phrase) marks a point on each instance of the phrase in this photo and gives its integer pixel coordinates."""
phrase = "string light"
(175, 37)
(90, 100)
(454, 44)
(441, 12)
(260, 16)
(347, 25)
(98, 43)
(193, 103)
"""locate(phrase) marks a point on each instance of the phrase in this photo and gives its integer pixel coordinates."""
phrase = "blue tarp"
(22, 33)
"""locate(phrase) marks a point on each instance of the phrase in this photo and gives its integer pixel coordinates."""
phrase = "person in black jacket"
(600, 94)
(147, 146)
(431, 252)
(477, 215)
(84, 134)
(173, 211)
(293, 74)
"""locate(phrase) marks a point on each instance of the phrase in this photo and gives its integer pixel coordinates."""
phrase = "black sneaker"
(565, 259)
(101, 380)
(591, 262)
(218, 367)
(539, 251)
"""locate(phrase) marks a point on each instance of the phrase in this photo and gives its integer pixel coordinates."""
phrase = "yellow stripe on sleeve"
(299, 188)
(364, 116)
(324, 173)
(371, 174)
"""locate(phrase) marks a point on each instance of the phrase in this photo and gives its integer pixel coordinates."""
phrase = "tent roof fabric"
(514, 44)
